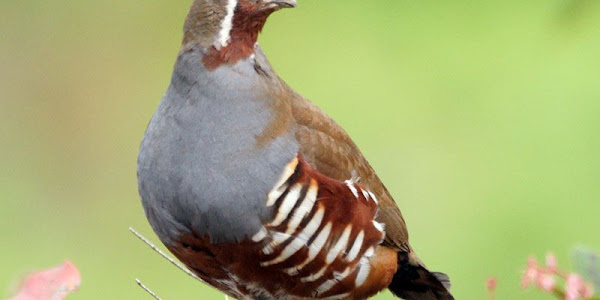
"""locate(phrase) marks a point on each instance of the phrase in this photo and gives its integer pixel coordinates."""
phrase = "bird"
(257, 190)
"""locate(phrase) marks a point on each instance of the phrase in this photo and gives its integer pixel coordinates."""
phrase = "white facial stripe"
(350, 185)
(226, 25)
(339, 245)
(365, 194)
(363, 272)
(280, 186)
(356, 246)
(287, 205)
(305, 207)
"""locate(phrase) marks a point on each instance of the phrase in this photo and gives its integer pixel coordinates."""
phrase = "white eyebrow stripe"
(226, 25)
(287, 205)
(353, 252)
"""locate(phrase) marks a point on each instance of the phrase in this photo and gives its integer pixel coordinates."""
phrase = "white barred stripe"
(337, 277)
(365, 194)
(340, 245)
(378, 226)
(363, 272)
(275, 193)
(305, 207)
(260, 235)
(281, 185)
(369, 253)
(356, 246)
(277, 239)
(226, 25)
(299, 241)
(374, 198)
(315, 247)
(287, 204)
(325, 286)
(352, 188)
(315, 276)
(286, 253)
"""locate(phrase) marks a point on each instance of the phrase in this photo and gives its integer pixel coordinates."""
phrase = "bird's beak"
(278, 4)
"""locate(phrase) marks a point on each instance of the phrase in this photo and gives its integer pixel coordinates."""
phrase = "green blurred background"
(481, 118)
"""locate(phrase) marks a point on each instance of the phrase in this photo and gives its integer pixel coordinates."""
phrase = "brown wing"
(329, 149)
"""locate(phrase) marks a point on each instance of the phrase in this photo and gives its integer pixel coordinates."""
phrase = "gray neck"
(252, 76)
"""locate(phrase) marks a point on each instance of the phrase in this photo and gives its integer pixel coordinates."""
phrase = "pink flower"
(551, 262)
(51, 284)
(546, 281)
(531, 273)
(574, 287)
(491, 284)
(587, 291)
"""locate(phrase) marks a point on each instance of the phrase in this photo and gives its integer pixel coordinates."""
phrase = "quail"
(255, 189)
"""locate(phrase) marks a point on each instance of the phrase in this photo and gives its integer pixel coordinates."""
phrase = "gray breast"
(200, 168)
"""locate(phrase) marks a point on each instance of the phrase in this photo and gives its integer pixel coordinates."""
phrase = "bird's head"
(227, 30)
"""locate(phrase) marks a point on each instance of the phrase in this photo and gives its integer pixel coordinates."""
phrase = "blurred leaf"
(587, 263)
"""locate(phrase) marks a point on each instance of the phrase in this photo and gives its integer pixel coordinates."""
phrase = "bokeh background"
(481, 117)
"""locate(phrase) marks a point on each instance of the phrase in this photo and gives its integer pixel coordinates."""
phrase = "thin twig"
(145, 288)
(164, 255)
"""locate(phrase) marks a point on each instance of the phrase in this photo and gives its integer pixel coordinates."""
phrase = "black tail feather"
(412, 281)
